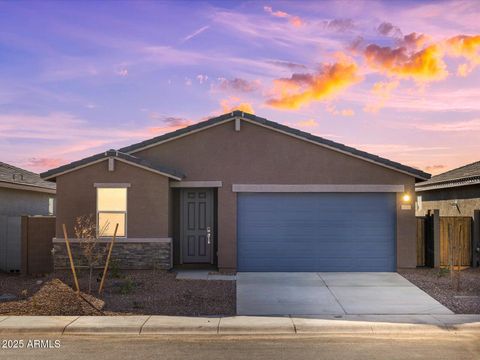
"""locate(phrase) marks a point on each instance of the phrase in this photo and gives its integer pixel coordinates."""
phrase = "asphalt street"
(450, 346)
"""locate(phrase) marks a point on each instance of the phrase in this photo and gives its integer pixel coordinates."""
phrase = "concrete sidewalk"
(237, 325)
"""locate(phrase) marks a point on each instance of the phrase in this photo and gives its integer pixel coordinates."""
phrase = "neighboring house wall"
(259, 155)
(13, 204)
(147, 198)
(467, 198)
(20, 202)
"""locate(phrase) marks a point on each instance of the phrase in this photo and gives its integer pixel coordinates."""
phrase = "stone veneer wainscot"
(127, 253)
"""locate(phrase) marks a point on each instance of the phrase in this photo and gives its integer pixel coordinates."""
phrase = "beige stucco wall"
(147, 198)
(455, 201)
(262, 156)
(448, 208)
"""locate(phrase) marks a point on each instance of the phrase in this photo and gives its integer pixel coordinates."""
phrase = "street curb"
(414, 325)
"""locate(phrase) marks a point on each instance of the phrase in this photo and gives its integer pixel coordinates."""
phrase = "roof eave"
(27, 187)
(446, 184)
(52, 174)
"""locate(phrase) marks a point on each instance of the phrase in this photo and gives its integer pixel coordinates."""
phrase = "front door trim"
(196, 184)
(209, 223)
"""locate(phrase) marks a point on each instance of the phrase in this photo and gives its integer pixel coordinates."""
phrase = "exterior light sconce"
(406, 198)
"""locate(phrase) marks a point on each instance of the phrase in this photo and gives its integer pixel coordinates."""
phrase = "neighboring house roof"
(120, 156)
(16, 178)
(281, 128)
(462, 176)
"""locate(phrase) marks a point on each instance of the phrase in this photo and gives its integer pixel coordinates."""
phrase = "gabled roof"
(278, 127)
(462, 176)
(130, 159)
(17, 178)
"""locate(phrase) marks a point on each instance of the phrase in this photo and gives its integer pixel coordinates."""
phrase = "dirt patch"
(130, 292)
(437, 284)
(53, 298)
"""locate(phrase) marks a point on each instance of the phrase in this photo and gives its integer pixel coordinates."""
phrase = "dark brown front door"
(196, 225)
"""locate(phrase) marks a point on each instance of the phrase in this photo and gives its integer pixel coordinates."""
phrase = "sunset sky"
(397, 79)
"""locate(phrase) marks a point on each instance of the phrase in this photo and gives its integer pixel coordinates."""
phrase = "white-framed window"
(111, 210)
(419, 203)
(51, 206)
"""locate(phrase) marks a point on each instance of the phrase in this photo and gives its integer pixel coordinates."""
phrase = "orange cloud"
(467, 47)
(424, 65)
(296, 21)
(302, 89)
(381, 92)
(234, 103)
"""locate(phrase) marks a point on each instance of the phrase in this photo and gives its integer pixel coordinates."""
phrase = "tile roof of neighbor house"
(465, 175)
(11, 175)
(51, 174)
(295, 132)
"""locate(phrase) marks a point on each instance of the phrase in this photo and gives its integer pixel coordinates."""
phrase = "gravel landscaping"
(437, 283)
(128, 292)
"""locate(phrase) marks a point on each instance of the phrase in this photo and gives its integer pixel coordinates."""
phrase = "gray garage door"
(316, 232)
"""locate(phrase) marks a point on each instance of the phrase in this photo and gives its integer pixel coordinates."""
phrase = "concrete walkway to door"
(331, 294)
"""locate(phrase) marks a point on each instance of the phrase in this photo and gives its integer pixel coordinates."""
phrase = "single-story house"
(21, 193)
(453, 193)
(243, 193)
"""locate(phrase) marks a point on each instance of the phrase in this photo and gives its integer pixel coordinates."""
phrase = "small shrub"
(127, 286)
(137, 305)
(115, 269)
(443, 272)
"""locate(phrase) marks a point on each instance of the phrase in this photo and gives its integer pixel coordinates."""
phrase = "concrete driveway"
(331, 294)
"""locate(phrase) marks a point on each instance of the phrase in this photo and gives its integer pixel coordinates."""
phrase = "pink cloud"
(59, 138)
(280, 14)
(44, 163)
(388, 29)
(238, 84)
(307, 123)
(296, 21)
(449, 127)
(435, 169)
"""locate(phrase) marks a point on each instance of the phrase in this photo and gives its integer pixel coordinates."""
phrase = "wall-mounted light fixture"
(406, 198)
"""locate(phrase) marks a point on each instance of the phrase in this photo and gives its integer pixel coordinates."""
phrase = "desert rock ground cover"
(129, 292)
(438, 284)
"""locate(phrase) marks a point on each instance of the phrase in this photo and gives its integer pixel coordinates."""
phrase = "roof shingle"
(14, 175)
(464, 175)
(302, 134)
(50, 174)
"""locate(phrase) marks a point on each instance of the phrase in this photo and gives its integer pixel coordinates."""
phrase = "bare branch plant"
(85, 229)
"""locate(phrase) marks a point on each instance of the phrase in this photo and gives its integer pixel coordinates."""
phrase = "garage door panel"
(316, 232)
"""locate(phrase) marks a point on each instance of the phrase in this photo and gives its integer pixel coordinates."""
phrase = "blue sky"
(398, 79)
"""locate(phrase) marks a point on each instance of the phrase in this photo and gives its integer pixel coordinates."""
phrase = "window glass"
(107, 222)
(111, 210)
(112, 199)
